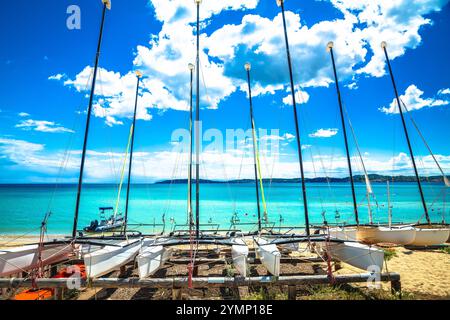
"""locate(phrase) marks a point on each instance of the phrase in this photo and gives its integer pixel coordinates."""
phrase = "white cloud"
(413, 100)
(42, 126)
(57, 77)
(444, 91)
(23, 114)
(324, 133)
(396, 22)
(157, 165)
(301, 97)
(259, 40)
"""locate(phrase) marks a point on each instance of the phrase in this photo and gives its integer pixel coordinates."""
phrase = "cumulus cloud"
(324, 133)
(357, 32)
(23, 114)
(413, 99)
(42, 126)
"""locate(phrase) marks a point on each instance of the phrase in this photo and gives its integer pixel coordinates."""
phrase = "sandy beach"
(425, 274)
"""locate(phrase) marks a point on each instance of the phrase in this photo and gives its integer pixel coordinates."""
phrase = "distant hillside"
(359, 178)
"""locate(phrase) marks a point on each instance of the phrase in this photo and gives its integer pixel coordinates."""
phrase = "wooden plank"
(202, 282)
(292, 292)
(255, 261)
(242, 292)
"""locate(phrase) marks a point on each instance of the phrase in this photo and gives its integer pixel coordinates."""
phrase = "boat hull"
(110, 258)
(357, 255)
(269, 255)
(380, 234)
(151, 259)
(430, 236)
(239, 253)
(343, 233)
(19, 259)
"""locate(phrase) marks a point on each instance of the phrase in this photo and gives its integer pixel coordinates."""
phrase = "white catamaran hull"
(110, 258)
(269, 255)
(239, 253)
(430, 236)
(357, 255)
(342, 233)
(151, 259)
(395, 235)
(18, 259)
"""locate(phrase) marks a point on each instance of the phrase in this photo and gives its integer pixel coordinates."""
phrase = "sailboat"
(24, 258)
(269, 254)
(371, 233)
(420, 235)
(102, 255)
(351, 252)
(153, 255)
(117, 254)
(33, 256)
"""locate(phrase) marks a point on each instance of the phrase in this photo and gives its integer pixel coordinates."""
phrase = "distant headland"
(375, 178)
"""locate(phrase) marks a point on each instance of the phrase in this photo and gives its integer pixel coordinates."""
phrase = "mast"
(197, 129)
(130, 164)
(419, 184)
(106, 5)
(190, 217)
(344, 131)
(389, 204)
(297, 130)
(247, 68)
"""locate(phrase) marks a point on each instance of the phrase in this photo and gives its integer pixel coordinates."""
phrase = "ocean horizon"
(25, 205)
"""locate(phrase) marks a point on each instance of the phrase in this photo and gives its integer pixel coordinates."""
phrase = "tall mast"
(130, 164)
(419, 184)
(106, 5)
(344, 131)
(190, 217)
(297, 130)
(247, 68)
(197, 129)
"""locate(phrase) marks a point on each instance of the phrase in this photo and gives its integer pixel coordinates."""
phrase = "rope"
(255, 141)
(123, 171)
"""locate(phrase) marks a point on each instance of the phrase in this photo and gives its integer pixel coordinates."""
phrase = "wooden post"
(337, 266)
(176, 293)
(59, 294)
(243, 292)
(292, 292)
(202, 282)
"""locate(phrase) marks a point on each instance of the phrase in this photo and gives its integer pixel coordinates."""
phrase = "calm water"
(23, 207)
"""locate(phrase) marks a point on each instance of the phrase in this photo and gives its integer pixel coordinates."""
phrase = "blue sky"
(45, 67)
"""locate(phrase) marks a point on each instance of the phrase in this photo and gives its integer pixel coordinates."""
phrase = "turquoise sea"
(22, 207)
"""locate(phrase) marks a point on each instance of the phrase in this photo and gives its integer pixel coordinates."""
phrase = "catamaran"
(341, 249)
(419, 235)
(154, 254)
